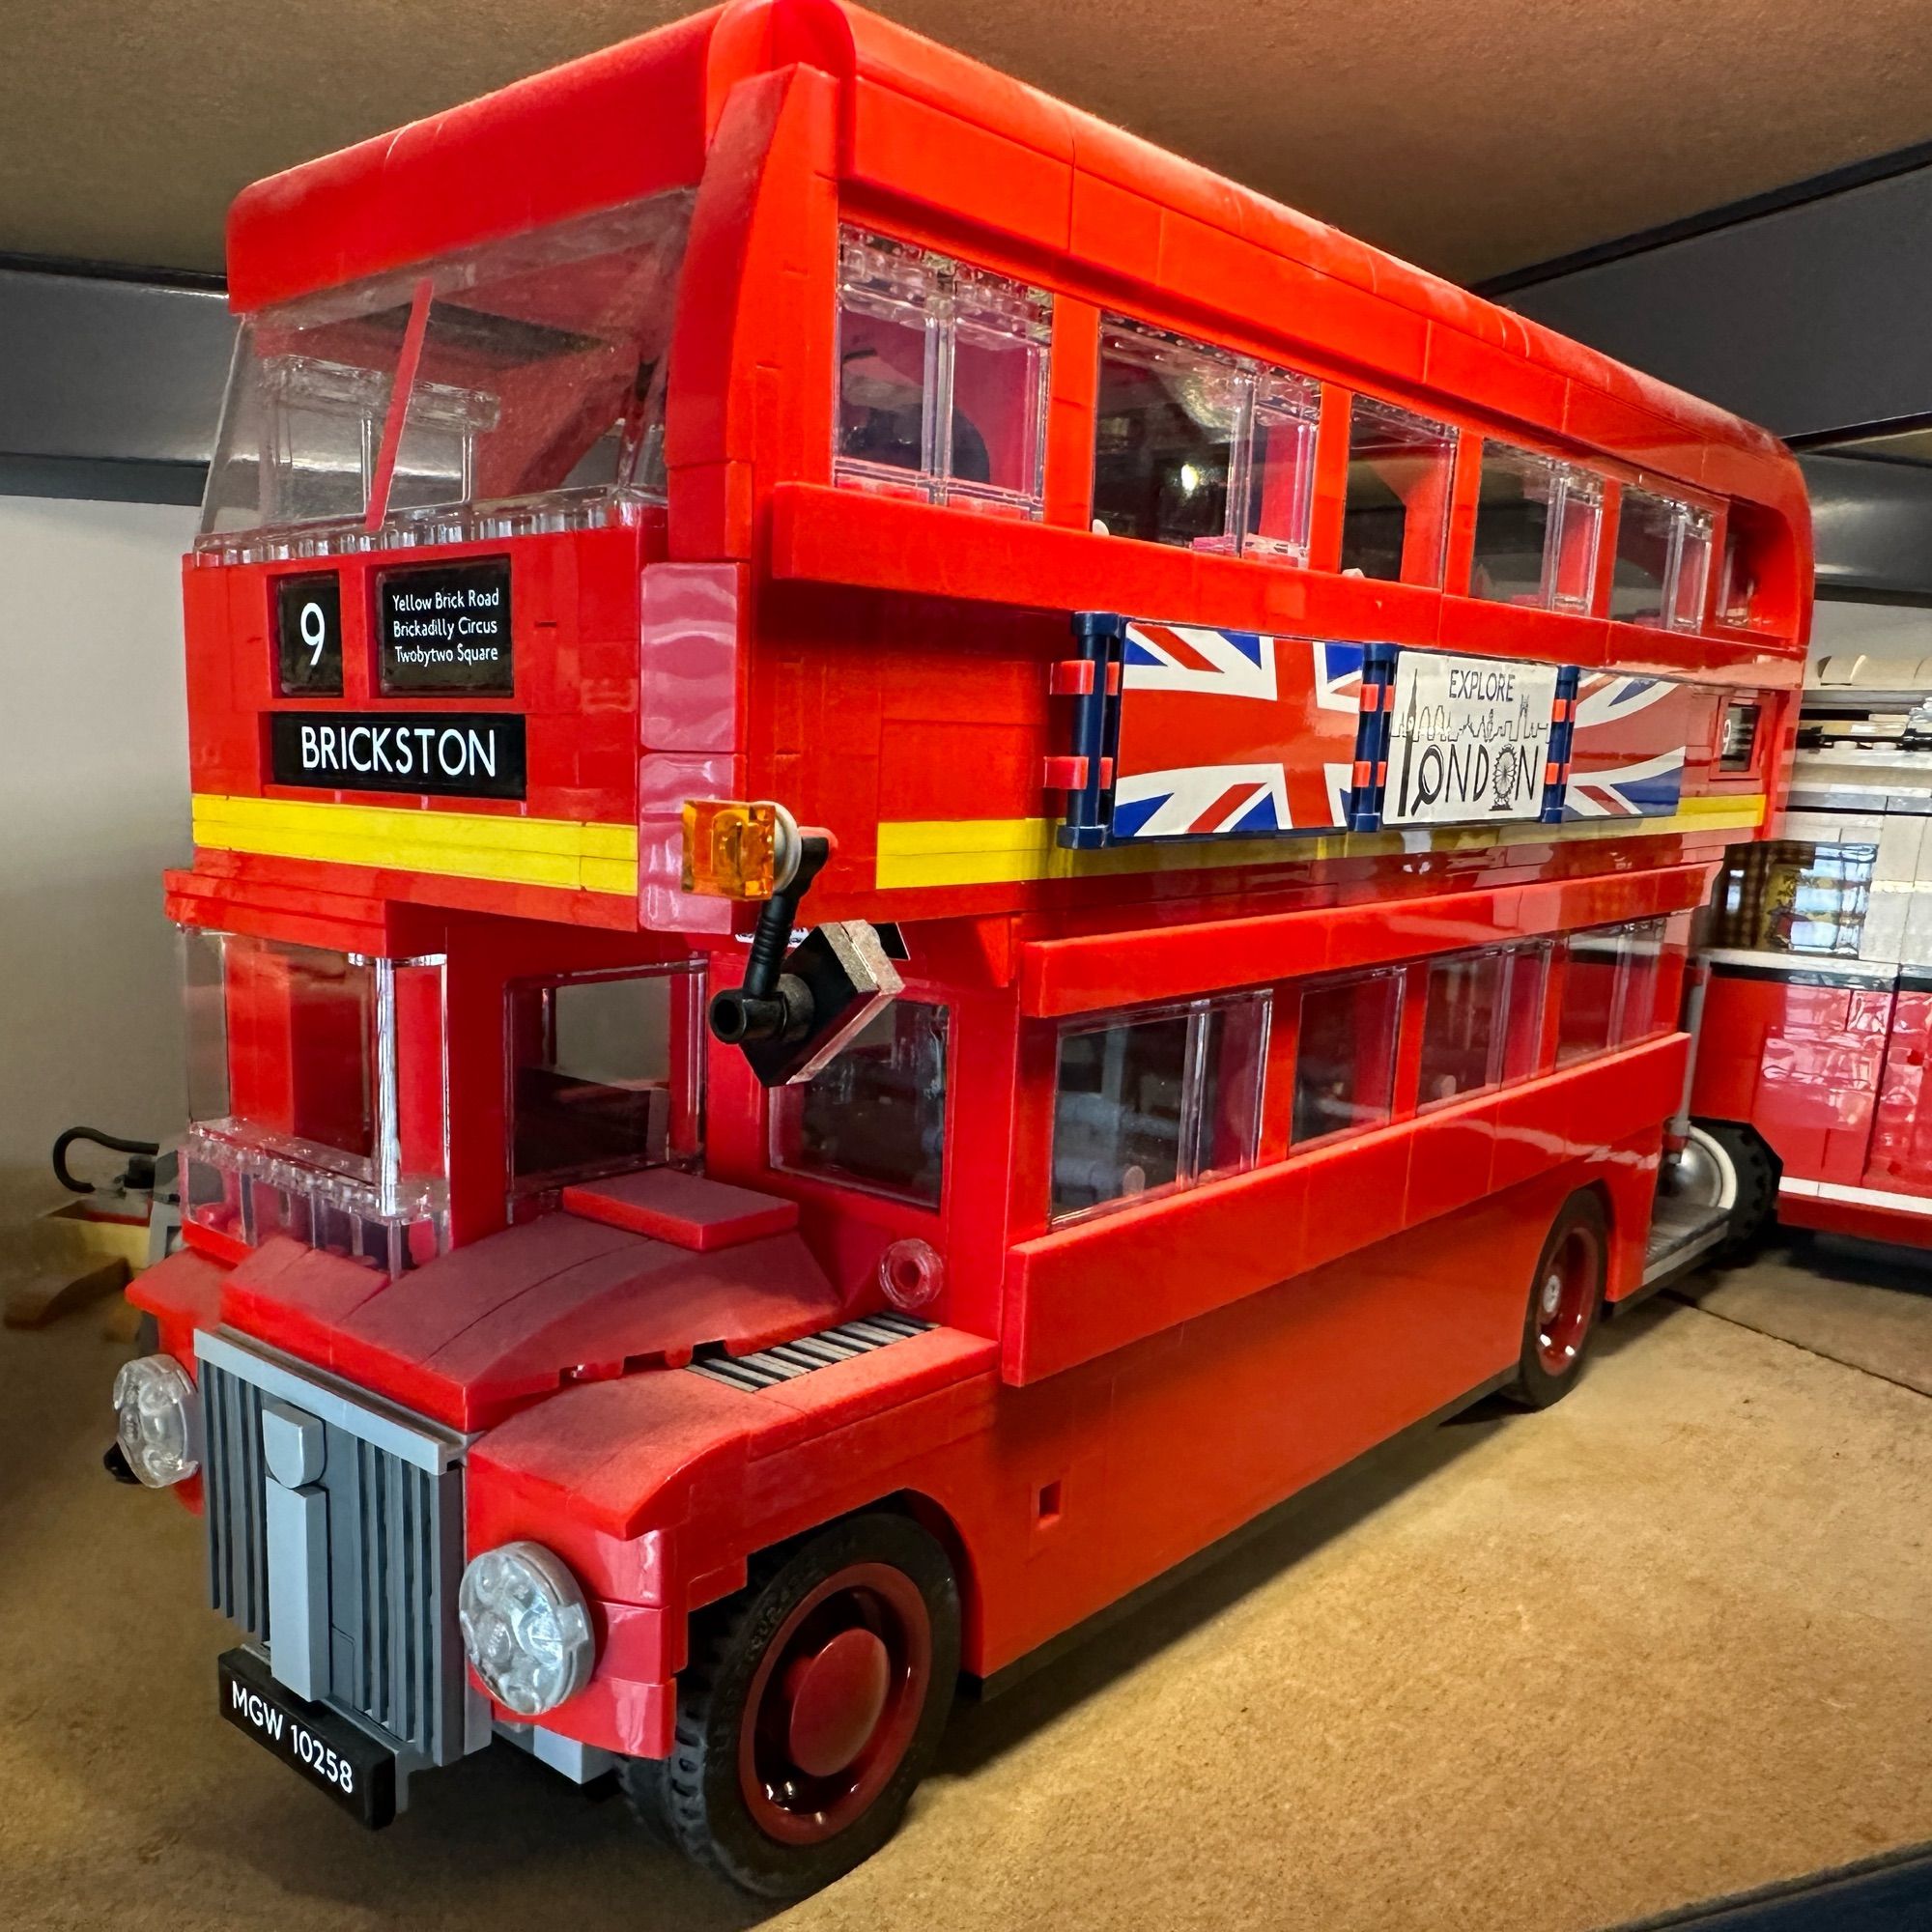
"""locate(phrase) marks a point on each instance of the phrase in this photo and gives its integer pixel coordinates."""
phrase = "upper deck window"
(942, 378)
(1664, 561)
(531, 368)
(1199, 448)
(1395, 522)
(1537, 522)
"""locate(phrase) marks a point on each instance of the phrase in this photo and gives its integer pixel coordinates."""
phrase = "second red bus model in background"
(1244, 726)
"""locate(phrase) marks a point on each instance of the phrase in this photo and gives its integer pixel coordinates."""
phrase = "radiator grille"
(769, 1367)
(394, 1549)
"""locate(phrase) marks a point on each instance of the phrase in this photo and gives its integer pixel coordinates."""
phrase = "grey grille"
(394, 1550)
(769, 1367)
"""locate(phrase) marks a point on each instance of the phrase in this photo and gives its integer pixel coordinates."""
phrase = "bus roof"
(636, 118)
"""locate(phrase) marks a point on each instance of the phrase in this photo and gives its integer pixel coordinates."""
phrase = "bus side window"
(1169, 423)
(1156, 1101)
(1535, 530)
(1528, 979)
(1664, 561)
(1344, 1056)
(1395, 519)
(1643, 973)
(1461, 1044)
(941, 379)
(1593, 979)
(874, 1115)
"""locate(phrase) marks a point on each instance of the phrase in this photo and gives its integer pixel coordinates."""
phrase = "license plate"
(351, 1767)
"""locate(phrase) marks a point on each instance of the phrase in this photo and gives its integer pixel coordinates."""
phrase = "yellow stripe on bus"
(1003, 851)
(569, 854)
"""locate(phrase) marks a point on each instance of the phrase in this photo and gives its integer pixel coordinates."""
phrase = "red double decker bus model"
(928, 855)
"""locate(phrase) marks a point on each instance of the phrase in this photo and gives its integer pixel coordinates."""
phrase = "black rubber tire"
(692, 1798)
(1758, 1171)
(1537, 1386)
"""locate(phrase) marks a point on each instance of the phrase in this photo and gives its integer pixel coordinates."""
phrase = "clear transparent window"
(1693, 571)
(1156, 1101)
(1462, 1037)
(1535, 530)
(1644, 981)
(1395, 519)
(1664, 561)
(1526, 971)
(317, 1097)
(1199, 448)
(1795, 896)
(1281, 466)
(540, 376)
(1592, 984)
(942, 378)
(874, 1115)
(1344, 1056)
(1169, 423)
(602, 1073)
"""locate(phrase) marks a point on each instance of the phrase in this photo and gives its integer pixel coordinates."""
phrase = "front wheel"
(812, 1705)
(1565, 1295)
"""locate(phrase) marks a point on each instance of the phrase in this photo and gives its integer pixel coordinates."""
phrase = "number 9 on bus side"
(309, 636)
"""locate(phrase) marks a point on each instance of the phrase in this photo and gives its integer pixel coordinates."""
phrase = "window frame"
(842, 1180)
(947, 281)
(1687, 518)
(1447, 437)
(1264, 393)
(1401, 1104)
(686, 1107)
(1190, 1173)
(1567, 483)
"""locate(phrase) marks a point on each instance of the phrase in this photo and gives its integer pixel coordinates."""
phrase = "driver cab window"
(874, 1115)
(602, 1075)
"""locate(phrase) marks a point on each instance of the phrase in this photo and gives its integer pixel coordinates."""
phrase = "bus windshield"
(531, 368)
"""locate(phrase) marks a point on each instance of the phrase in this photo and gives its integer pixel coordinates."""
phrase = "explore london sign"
(1468, 739)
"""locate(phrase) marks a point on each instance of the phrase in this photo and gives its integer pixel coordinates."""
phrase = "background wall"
(1879, 630)
(93, 804)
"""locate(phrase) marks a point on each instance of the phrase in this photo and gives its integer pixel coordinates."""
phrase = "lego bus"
(928, 855)
(1817, 1014)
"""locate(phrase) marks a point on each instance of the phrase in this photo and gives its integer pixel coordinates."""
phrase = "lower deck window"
(594, 1067)
(1344, 1056)
(1611, 988)
(1461, 1032)
(874, 1115)
(1155, 1101)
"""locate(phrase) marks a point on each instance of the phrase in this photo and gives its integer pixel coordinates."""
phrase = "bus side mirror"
(796, 1008)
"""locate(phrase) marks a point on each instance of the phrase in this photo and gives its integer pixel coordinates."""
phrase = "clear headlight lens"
(526, 1628)
(158, 1420)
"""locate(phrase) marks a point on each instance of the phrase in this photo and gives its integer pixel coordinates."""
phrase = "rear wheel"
(1745, 1175)
(812, 1706)
(1565, 1295)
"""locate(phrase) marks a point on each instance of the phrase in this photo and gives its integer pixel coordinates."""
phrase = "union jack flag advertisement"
(1627, 747)
(1233, 732)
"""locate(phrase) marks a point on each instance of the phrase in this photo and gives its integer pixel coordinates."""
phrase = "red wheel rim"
(1565, 1300)
(834, 1704)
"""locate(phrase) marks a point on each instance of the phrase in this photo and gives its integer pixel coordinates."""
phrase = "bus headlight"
(526, 1628)
(158, 1420)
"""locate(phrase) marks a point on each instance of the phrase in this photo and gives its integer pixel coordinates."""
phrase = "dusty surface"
(1667, 1640)
(1864, 1305)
